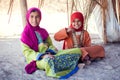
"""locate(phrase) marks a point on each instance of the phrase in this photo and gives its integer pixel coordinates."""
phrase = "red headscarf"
(78, 15)
(28, 35)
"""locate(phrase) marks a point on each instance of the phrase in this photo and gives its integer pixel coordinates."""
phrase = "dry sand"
(12, 64)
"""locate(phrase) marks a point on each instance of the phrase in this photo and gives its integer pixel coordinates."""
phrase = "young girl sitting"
(76, 37)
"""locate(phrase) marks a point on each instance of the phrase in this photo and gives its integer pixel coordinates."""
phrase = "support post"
(23, 6)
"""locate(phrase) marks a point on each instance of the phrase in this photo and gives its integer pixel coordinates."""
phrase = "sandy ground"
(12, 64)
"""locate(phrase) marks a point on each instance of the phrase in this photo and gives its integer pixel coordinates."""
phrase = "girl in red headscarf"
(76, 37)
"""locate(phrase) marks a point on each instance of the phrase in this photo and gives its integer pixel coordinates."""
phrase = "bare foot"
(81, 65)
(88, 62)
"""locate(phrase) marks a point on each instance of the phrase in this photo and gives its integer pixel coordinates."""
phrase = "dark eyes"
(37, 16)
(76, 21)
(34, 16)
(31, 16)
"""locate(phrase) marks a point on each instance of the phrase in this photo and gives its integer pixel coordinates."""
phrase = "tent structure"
(106, 14)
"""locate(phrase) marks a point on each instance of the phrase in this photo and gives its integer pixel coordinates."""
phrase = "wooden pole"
(104, 26)
(118, 10)
(23, 6)
(104, 21)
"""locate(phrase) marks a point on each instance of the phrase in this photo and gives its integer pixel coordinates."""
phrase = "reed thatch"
(99, 8)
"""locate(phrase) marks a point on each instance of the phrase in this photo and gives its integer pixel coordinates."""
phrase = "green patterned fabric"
(65, 61)
(62, 64)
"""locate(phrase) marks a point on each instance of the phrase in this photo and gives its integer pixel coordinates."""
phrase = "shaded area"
(12, 63)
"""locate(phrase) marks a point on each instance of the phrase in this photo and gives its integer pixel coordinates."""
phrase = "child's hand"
(70, 30)
(48, 56)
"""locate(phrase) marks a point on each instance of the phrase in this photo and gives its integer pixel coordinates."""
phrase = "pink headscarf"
(80, 17)
(28, 35)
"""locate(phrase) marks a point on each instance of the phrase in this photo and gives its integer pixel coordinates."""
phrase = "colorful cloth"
(63, 65)
(68, 39)
(31, 67)
(38, 37)
(28, 35)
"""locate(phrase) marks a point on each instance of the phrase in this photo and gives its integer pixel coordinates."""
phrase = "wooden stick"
(104, 22)
(23, 6)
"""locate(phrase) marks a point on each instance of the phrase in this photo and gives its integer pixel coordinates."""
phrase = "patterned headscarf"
(28, 36)
(78, 15)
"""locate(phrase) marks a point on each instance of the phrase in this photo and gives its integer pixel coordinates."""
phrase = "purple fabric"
(28, 35)
(31, 67)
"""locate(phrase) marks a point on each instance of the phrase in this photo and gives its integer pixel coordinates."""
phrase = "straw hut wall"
(105, 13)
(107, 19)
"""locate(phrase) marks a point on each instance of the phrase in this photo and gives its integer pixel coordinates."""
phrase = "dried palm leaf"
(104, 4)
(40, 3)
(10, 9)
(118, 10)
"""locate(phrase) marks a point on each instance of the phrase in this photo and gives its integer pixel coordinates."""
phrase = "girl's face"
(76, 23)
(34, 18)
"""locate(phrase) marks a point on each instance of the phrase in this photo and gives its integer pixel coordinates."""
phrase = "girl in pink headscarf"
(35, 40)
(34, 37)
(76, 37)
